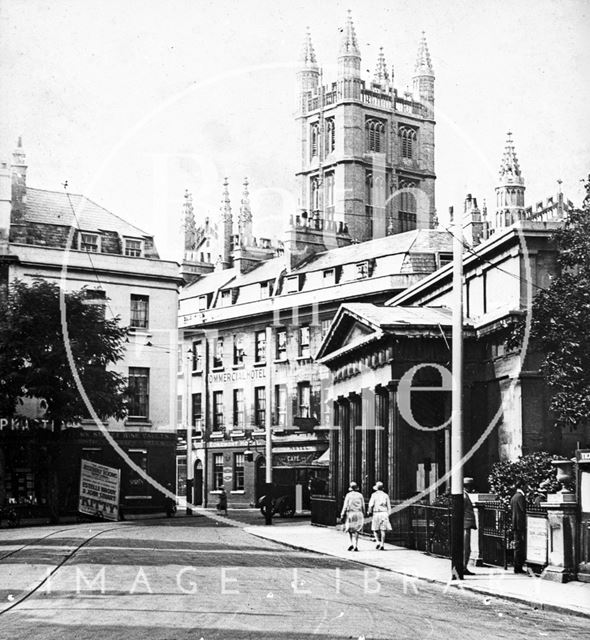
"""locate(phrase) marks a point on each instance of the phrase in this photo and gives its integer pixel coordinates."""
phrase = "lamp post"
(268, 428)
(189, 438)
(457, 565)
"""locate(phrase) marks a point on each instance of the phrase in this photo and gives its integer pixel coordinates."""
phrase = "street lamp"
(189, 438)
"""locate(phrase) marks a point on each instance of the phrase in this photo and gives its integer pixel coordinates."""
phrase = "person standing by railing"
(468, 524)
(518, 508)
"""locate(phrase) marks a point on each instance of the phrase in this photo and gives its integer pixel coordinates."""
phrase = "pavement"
(206, 577)
(528, 589)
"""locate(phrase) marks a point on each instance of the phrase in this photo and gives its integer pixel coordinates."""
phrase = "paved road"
(197, 578)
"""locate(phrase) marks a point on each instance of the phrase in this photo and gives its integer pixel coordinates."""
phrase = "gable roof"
(59, 207)
(381, 320)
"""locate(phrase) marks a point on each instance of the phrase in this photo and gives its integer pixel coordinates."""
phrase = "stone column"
(479, 500)
(393, 436)
(563, 530)
(379, 432)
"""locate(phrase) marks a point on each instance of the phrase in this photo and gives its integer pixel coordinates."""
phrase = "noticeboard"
(536, 540)
(99, 490)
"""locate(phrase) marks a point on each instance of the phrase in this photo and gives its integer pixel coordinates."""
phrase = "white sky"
(132, 101)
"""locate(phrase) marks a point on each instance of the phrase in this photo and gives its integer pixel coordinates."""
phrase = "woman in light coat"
(353, 514)
(380, 508)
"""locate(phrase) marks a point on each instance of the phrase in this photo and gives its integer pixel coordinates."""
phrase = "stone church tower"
(510, 190)
(367, 150)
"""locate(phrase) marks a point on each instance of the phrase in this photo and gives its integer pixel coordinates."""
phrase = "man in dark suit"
(468, 524)
(518, 508)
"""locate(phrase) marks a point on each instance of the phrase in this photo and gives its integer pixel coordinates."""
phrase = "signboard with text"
(99, 490)
(536, 540)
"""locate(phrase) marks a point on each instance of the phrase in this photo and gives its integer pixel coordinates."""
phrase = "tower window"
(407, 139)
(330, 135)
(375, 135)
(407, 206)
(314, 138)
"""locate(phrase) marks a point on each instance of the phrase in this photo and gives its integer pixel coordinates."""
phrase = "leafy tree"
(33, 356)
(560, 321)
(34, 363)
(535, 469)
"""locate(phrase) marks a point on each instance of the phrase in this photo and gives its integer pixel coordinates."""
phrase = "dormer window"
(329, 277)
(444, 258)
(202, 303)
(293, 284)
(133, 248)
(89, 242)
(266, 289)
(225, 300)
(362, 269)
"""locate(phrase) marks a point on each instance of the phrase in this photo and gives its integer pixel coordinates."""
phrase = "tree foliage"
(33, 357)
(560, 321)
(534, 469)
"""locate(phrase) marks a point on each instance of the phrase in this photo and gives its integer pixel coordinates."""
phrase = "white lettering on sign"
(235, 376)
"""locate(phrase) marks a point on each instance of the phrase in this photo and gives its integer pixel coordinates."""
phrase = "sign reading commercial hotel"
(99, 490)
(256, 373)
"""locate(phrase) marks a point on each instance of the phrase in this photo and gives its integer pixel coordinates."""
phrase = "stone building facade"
(68, 239)
(366, 148)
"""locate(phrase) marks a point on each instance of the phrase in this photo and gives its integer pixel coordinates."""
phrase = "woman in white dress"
(379, 508)
(353, 513)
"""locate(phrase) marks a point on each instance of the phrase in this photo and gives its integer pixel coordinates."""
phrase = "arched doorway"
(198, 486)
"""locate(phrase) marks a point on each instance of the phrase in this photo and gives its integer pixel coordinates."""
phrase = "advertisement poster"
(99, 490)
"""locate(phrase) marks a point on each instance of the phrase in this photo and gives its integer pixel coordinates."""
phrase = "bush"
(535, 469)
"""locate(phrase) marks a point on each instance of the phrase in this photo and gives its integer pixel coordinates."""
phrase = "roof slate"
(55, 207)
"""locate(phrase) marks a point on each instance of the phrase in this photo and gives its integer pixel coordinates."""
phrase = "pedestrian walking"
(518, 508)
(380, 508)
(468, 524)
(222, 504)
(353, 514)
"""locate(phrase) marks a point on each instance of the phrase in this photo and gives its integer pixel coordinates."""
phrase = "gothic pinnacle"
(349, 44)
(381, 73)
(225, 202)
(509, 166)
(245, 211)
(308, 58)
(423, 61)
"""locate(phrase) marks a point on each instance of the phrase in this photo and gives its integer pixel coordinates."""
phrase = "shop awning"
(323, 460)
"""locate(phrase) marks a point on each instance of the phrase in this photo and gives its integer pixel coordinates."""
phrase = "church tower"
(510, 190)
(367, 151)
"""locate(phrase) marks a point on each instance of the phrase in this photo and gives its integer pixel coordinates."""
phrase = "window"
(362, 269)
(444, 258)
(139, 311)
(260, 346)
(139, 385)
(329, 277)
(374, 135)
(196, 410)
(260, 407)
(218, 354)
(314, 138)
(407, 140)
(239, 417)
(330, 135)
(281, 405)
(282, 344)
(133, 248)
(304, 399)
(238, 471)
(304, 345)
(89, 242)
(238, 350)
(407, 206)
(217, 470)
(325, 327)
(329, 191)
(314, 204)
(266, 289)
(225, 300)
(293, 284)
(197, 350)
(202, 303)
(136, 485)
(218, 410)
(97, 298)
(179, 357)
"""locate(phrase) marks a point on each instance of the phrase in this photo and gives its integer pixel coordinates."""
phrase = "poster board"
(536, 540)
(99, 490)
